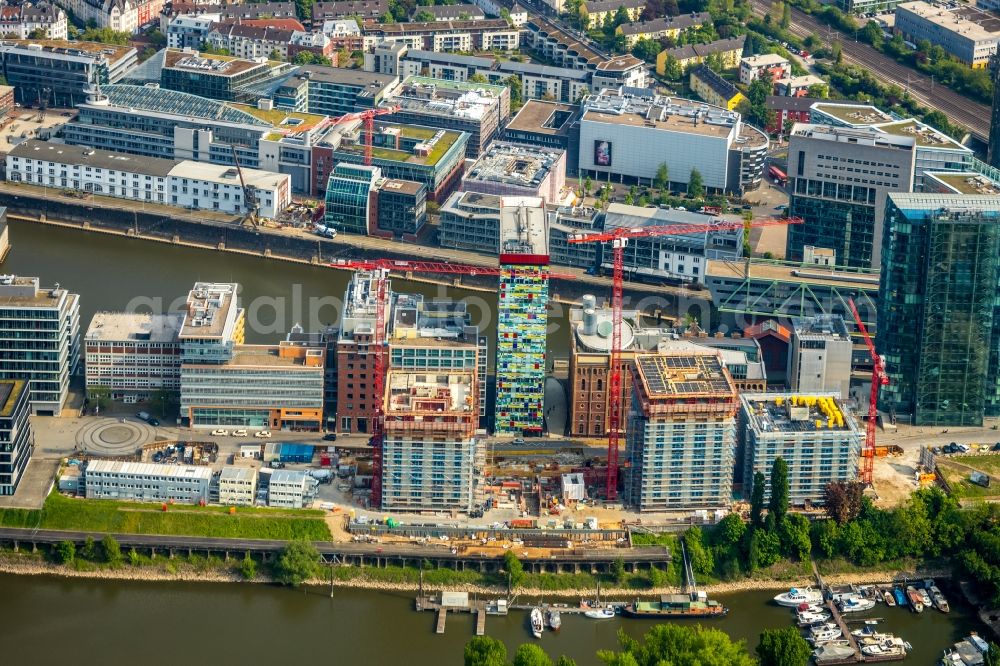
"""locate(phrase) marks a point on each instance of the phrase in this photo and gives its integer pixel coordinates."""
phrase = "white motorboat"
(537, 625)
(834, 652)
(856, 605)
(799, 595)
(600, 613)
(886, 648)
(808, 619)
(825, 635)
(555, 620)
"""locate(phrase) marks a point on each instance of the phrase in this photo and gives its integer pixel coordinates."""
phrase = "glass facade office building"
(350, 205)
(939, 330)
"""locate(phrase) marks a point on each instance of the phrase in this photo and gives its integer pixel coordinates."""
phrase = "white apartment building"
(133, 354)
(120, 15)
(146, 482)
(25, 19)
(188, 184)
(39, 339)
(752, 66)
(186, 31)
(237, 486)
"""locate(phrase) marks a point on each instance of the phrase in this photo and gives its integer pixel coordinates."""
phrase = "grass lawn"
(958, 477)
(63, 513)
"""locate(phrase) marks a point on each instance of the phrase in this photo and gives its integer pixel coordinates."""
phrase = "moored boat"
(554, 619)
(600, 613)
(692, 604)
(899, 595)
(889, 598)
(916, 601)
(832, 652)
(798, 595)
(925, 597)
(939, 601)
(856, 605)
(537, 625)
(808, 619)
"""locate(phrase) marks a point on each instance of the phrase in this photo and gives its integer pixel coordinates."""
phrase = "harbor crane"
(249, 194)
(381, 268)
(618, 237)
(368, 117)
(880, 378)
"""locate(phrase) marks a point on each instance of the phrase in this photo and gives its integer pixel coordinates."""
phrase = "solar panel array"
(684, 375)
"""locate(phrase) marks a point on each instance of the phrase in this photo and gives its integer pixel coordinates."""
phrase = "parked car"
(240, 433)
(330, 437)
(961, 448)
(220, 433)
(276, 464)
(153, 422)
(265, 434)
(996, 447)
(518, 440)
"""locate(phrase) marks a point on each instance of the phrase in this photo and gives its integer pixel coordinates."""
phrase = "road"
(959, 109)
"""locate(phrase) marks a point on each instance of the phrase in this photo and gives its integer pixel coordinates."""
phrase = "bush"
(248, 568)
(297, 563)
(64, 552)
(111, 550)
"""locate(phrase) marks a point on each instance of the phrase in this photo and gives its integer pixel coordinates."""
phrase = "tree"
(296, 564)
(514, 569)
(672, 70)
(100, 396)
(387, 18)
(64, 552)
(478, 78)
(529, 654)
(699, 556)
(514, 83)
(783, 647)
(111, 550)
(105, 36)
(778, 505)
(662, 179)
(678, 644)
(823, 534)
(275, 54)
(38, 33)
(786, 16)
(423, 16)
(837, 53)
(696, 187)
(563, 660)
(618, 570)
(731, 530)
(819, 90)
(646, 49)
(992, 656)
(794, 534)
(248, 567)
(588, 184)
(485, 651)
(133, 557)
(843, 500)
(757, 500)
(89, 549)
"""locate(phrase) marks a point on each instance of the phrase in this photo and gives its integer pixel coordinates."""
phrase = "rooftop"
(789, 413)
(370, 81)
(481, 62)
(794, 273)
(704, 50)
(684, 375)
(853, 114)
(232, 473)
(83, 155)
(943, 205)
(223, 173)
(134, 326)
(970, 22)
(543, 70)
(862, 135)
(624, 215)
(402, 186)
(10, 392)
(800, 104)
(179, 472)
(821, 327)
(19, 291)
(443, 11)
(162, 100)
(209, 305)
(681, 22)
(65, 47)
(598, 6)
(765, 60)
(620, 63)
(925, 135)
(434, 393)
(721, 87)
(431, 147)
(555, 33)
(964, 182)
(513, 164)
(454, 99)
(208, 65)
(269, 356)
(522, 229)
(643, 108)
(437, 26)
(800, 81)
(284, 121)
(544, 117)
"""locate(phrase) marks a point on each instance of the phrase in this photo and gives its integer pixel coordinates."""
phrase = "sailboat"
(690, 604)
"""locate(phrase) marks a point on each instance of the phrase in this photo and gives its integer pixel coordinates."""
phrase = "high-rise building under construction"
(994, 147)
(521, 317)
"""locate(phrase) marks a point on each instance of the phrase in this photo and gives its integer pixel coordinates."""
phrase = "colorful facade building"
(522, 318)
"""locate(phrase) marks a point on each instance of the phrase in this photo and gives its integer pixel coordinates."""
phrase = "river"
(47, 620)
(117, 273)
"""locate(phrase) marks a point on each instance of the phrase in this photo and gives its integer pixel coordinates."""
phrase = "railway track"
(972, 115)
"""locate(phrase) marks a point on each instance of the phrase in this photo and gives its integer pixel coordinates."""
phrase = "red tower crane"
(368, 117)
(879, 379)
(381, 268)
(618, 237)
